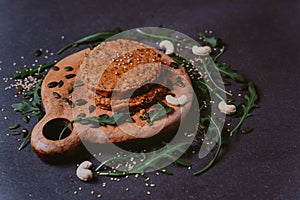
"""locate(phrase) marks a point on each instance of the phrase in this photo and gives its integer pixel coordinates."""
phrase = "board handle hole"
(58, 128)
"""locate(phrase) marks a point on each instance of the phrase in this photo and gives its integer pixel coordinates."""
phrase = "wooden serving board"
(59, 114)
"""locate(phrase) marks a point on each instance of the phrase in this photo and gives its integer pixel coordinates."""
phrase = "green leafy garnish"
(212, 41)
(91, 39)
(25, 108)
(161, 112)
(170, 153)
(25, 142)
(226, 72)
(32, 71)
(251, 104)
(219, 143)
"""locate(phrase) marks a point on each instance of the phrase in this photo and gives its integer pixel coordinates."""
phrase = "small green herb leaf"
(161, 112)
(251, 104)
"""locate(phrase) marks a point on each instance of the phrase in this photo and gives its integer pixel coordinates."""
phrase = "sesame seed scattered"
(92, 192)
(62, 37)
(126, 189)
(79, 188)
(148, 192)
(239, 95)
(75, 192)
(14, 64)
(99, 195)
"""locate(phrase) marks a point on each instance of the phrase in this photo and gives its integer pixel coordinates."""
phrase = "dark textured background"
(263, 38)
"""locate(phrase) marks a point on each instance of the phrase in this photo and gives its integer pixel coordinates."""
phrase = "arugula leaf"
(24, 108)
(94, 38)
(227, 72)
(25, 142)
(212, 41)
(106, 120)
(161, 112)
(219, 143)
(149, 162)
(31, 71)
(215, 57)
(251, 104)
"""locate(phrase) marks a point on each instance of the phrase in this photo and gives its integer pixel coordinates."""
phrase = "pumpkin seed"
(78, 84)
(84, 122)
(179, 82)
(26, 119)
(68, 68)
(60, 83)
(70, 89)
(71, 104)
(52, 84)
(247, 130)
(55, 68)
(16, 133)
(92, 108)
(81, 115)
(56, 95)
(14, 126)
(80, 102)
(38, 53)
(64, 99)
(68, 76)
(174, 65)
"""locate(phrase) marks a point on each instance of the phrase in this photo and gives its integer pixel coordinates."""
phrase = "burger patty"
(116, 69)
(143, 99)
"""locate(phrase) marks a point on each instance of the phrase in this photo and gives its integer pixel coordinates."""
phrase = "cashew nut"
(83, 172)
(201, 51)
(167, 45)
(227, 109)
(177, 101)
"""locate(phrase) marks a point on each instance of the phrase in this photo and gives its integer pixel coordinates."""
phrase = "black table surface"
(263, 38)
